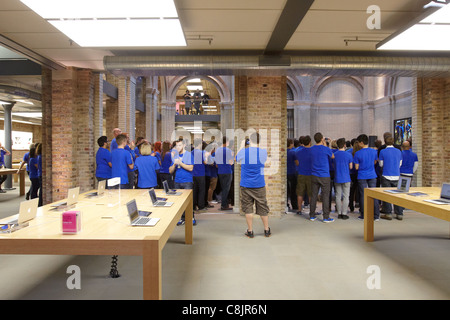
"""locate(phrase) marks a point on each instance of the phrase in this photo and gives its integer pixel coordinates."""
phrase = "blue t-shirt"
(147, 166)
(199, 166)
(102, 158)
(33, 169)
(166, 162)
(210, 168)
(120, 159)
(222, 158)
(320, 158)
(303, 156)
(26, 158)
(182, 175)
(2, 157)
(366, 158)
(39, 158)
(342, 160)
(408, 160)
(113, 145)
(252, 167)
(391, 158)
(291, 169)
(133, 155)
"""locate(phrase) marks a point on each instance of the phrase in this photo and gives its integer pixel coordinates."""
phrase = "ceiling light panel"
(85, 9)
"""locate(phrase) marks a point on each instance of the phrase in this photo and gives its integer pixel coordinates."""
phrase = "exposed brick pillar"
(112, 109)
(260, 104)
(46, 135)
(435, 111)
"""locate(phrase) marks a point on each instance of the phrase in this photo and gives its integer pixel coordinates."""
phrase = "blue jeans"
(368, 183)
(185, 185)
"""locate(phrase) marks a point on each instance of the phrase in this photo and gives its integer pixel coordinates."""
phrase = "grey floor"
(302, 260)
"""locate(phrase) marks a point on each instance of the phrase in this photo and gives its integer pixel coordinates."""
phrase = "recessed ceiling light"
(194, 88)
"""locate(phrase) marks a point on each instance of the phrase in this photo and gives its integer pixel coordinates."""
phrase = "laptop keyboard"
(443, 201)
(143, 221)
(161, 203)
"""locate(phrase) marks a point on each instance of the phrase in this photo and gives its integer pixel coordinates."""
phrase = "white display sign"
(20, 140)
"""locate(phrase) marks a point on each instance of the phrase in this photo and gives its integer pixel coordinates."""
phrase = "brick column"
(46, 136)
(112, 109)
(435, 109)
(260, 104)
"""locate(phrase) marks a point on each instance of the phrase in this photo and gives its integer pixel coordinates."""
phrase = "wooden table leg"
(152, 270)
(22, 182)
(188, 225)
(368, 218)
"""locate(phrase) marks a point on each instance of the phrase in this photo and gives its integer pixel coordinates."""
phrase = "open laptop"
(72, 198)
(139, 218)
(27, 212)
(100, 189)
(156, 202)
(445, 195)
(169, 191)
(404, 182)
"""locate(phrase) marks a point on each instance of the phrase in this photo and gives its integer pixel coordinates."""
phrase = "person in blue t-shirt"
(3, 153)
(182, 165)
(390, 160)
(26, 160)
(147, 166)
(365, 160)
(303, 164)
(343, 163)
(410, 161)
(320, 177)
(34, 177)
(224, 161)
(252, 184)
(211, 170)
(291, 175)
(166, 162)
(121, 161)
(103, 160)
(198, 175)
(113, 145)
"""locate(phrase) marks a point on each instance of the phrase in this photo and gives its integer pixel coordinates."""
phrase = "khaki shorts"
(257, 196)
(303, 185)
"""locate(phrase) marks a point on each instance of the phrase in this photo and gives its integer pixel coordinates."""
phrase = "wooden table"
(403, 200)
(106, 230)
(21, 176)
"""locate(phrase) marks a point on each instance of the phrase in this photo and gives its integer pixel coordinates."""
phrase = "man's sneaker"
(299, 212)
(2, 191)
(328, 220)
(267, 233)
(386, 216)
(249, 234)
(360, 218)
(180, 223)
(194, 222)
(344, 217)
(312, 218)
(399, 217)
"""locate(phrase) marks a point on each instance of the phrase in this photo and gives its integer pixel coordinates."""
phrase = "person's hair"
(121, 138)
(296, 143)
(139, 141)
(340, 143)
(33, 152)
(306, 140)
(348, 144)
(363, 138)
(356, 147)
(300, 139)
(165, 148)
(318, 137)
(102, 140)
(378, 143)
(197, 142)
(145, 149)
(386, 135)
(38, 148)
(334, 144)
(224, 140)
(389, 141)
(254, 138)
(157, 146)
(289, 142)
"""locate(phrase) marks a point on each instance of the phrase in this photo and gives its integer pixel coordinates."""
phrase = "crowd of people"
(205, 168)
(347, 167)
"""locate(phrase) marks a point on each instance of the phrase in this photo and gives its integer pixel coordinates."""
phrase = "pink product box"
(71, 222)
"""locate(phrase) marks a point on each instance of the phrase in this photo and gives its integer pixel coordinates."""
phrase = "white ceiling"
(231, 24)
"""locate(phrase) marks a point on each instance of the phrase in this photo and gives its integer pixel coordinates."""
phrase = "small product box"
(71, 222)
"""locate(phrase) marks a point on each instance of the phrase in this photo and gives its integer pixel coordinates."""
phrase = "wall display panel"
(402, 130)
(20, 140)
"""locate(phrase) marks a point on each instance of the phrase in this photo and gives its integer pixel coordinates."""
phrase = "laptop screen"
(403, 183)
(445, 192)
(152, 195)
(166, 186)
(132, 210)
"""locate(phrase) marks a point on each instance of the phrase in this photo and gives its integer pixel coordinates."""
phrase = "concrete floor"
(302, 260)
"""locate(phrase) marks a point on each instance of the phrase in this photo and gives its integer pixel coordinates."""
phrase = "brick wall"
(260, 104)
(433, 104)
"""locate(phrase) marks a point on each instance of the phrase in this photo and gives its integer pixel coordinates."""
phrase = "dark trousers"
(167, 177)
(368, 183)
(387, 207)
(316, 184)
(292, 186)
(35, 186)
(225, 184)
(199, 192)
(354, 194)
(184, 185)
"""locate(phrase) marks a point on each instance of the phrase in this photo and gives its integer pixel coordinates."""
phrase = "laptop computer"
(156, 202)
(27, 212)
(445, 195)
(169, 191)
(100, 189)
(136, 219)
(404, 182)
(72, 198)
